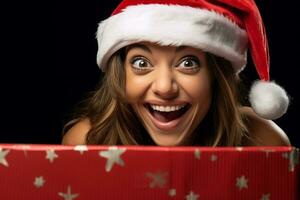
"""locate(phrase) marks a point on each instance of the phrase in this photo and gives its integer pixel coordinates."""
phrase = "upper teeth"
(167, 108)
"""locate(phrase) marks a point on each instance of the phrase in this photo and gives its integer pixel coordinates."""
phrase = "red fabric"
(203, 173)
(243, 12)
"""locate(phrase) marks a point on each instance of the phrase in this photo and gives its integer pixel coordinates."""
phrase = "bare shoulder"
(77, 134)
(264, 132)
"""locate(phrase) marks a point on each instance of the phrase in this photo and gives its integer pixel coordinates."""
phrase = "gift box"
(148, 172)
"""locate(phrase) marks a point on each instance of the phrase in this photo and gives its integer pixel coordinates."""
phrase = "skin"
(168, 76)
(264, 132)
(165, 83)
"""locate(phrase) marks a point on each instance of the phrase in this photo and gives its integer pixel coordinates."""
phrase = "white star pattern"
(25, 148)
(265, 197)
(3, 154)
(197, 154)
(268, 151)
(239, 148)
(241, 182)
(81, 148)
(285, 155)
(158, 179)
(293, 157)
(68, 195)
(113, 155)
(51, 155)
(39, 182)
(148, 176)
(192, 196)
(172, 192)
(213, 158)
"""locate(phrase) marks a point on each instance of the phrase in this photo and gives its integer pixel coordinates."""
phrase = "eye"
(189, 63)
(140, 63)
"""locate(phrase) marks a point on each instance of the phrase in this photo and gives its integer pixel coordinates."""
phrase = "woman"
(171, 78)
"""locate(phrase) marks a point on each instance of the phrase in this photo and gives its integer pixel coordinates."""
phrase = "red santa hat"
(226, 28)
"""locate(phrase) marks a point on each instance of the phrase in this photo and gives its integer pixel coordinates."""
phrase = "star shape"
(68, 195)
(51, 155)
(25, 148)
(213, 158)
(39, 182)
(239, 148)
(192, 196)
(268, 151)
(241, 182)
(172, 192)
(293, 157)
(81, 148)
(158, 179)
(285, 155)
(113, 155)
(265, 197)
(3, 154)
(197, 154)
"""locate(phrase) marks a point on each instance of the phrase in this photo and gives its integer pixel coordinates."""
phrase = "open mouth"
(167, 114)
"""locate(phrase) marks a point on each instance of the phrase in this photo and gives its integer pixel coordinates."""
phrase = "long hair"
(225, 124)
(113, 121)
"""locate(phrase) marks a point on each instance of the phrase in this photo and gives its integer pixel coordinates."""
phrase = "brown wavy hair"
(113, 121)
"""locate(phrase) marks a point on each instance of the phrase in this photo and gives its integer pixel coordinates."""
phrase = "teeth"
(167, 108)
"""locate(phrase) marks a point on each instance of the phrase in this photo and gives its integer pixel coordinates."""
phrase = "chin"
(163, 139)
(166, 143)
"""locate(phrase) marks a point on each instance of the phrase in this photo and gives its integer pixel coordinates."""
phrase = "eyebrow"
(180, 48)
(145, 48)
(141, 46)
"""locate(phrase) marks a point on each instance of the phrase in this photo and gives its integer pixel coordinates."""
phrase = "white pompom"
(268, 99)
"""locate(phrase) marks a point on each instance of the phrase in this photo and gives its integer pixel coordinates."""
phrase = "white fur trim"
(172, 25)
(268, 99)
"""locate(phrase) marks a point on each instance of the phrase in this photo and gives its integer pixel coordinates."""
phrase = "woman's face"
(169, 88)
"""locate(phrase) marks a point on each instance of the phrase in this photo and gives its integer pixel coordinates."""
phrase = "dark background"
(48, 63)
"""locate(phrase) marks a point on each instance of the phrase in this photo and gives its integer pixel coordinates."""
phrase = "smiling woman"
(169, 89)
(171, 78)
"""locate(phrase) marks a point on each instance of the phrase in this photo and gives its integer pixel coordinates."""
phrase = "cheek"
(198, 87)
(202, 92)
(135, 86)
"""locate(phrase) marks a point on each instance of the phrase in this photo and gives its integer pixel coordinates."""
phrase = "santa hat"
(226, 28)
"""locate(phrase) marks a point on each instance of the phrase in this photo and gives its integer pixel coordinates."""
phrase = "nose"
(165, 85)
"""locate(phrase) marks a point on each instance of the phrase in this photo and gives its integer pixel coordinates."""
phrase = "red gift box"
(139, 172)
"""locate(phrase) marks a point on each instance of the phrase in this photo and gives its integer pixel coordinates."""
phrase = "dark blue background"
(48, 63)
